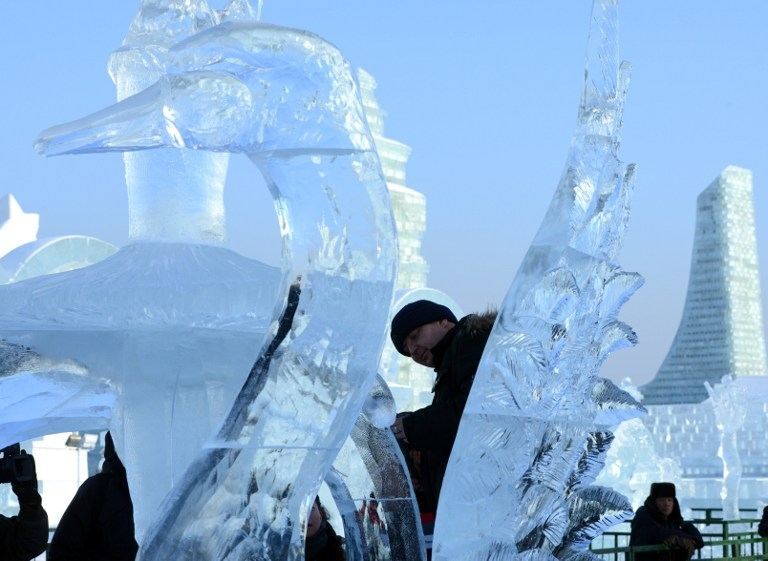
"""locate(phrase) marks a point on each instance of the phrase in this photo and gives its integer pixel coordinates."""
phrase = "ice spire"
(536, 428)
(16, 226)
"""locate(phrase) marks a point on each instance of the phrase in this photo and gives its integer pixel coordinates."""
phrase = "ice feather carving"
(592, 511)
(592, 460)
(614, 405)
(534, 434)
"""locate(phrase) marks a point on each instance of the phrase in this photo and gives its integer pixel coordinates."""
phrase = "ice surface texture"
(372, 489)
(288, 100)
(536, 428)
(727, 399)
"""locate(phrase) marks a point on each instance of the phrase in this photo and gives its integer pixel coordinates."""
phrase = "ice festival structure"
(721, 334)
(410, 383)
(23, 255)
(61, 466)
(256, 385)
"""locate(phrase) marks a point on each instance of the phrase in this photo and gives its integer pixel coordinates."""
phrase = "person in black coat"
(25, 536)
(322, 543)
(762, 528)
(658, 522)
(98, 523)
(430, 335)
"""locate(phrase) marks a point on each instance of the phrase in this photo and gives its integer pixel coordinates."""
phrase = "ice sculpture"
(632, 463)
(173, 328)
(536, 427)
(727, 399)
(287, 99)
(370, 483)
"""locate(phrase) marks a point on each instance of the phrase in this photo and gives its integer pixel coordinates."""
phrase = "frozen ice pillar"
(537, 425)
(173, 194)
(727, 399)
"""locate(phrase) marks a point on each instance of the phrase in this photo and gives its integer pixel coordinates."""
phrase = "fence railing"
(735, 540)
(735, 549)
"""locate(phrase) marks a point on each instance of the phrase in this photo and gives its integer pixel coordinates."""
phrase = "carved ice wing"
(537, 380)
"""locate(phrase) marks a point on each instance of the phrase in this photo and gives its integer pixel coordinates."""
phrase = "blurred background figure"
(25, 536)
(98, 523)
(322, 544)
(659, 522)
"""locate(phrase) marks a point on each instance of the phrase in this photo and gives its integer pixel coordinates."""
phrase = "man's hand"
(397, 428)
(688, 544)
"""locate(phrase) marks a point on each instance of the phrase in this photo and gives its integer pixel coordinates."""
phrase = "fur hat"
(659, 490)
(415, 315)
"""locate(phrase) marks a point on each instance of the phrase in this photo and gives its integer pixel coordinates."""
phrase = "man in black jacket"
(25, 536)
(762, 528)
(659, 522)
(98, 523)
(430, 335)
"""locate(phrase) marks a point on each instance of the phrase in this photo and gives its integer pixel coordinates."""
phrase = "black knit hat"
(659, 490)
(415, 315)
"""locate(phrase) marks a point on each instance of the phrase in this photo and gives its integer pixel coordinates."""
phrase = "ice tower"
(410, 383)
(408, 205)
(721, 332)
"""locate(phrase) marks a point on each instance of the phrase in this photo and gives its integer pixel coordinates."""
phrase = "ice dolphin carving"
(287, 99)
(536, 427)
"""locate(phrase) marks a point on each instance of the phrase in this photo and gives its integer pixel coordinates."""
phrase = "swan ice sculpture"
(286, 99)
(537, 423)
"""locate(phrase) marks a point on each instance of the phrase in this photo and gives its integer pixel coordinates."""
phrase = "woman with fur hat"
(658, 522)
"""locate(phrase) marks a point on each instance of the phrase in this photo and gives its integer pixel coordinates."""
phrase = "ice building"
(410, 383)
(721, 333)
(409, 206)
(23, 256)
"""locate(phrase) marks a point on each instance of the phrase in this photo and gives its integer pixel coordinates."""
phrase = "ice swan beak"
(196, 109)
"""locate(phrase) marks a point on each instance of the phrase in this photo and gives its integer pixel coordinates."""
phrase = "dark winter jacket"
(432, 429)
(649, 527)
(98, 523)
(325, 545)
(25, 536)
(762, 528)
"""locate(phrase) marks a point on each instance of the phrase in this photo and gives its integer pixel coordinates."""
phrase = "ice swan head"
(237, 87)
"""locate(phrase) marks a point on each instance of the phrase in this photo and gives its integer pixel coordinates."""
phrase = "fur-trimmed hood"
(474, 324)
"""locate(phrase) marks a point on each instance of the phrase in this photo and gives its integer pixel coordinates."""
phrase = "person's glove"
(689, 545)
(397, 429)
(681, 542)
(26, 491)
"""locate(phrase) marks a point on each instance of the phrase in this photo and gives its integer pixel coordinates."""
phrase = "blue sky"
(484, 92)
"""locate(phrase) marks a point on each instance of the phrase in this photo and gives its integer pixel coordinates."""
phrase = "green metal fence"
(735, 549)
(735, 540)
